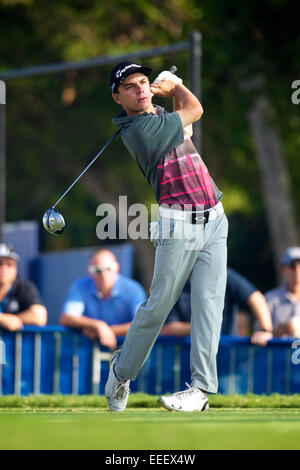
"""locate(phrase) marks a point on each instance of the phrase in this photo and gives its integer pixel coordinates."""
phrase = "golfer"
(189, 205)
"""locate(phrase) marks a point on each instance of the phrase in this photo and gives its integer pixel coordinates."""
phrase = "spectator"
(20, 302)
(103, 303)
(239, 293)
(284, 301)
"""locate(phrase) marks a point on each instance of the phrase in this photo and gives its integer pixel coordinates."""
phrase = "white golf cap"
(290, 255)
(7, 251)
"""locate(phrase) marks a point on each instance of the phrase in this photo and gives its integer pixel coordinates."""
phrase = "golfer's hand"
(260, 338)
(164, 88)
(167, 75)
(11, 322)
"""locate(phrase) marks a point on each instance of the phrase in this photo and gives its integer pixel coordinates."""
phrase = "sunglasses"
(9, 263)
(294, 264)
(98, 269)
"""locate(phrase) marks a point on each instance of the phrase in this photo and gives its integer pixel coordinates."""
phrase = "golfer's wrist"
(180, 91)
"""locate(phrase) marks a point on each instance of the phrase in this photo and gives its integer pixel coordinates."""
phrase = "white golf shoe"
(116, 390)
(192, 399)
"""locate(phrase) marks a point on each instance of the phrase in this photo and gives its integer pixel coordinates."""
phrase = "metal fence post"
(98, 357)
(195, 80)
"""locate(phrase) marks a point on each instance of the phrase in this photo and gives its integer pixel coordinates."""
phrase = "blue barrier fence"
(59, 360)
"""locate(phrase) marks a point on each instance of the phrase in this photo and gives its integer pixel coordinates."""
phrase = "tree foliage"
(56, 123)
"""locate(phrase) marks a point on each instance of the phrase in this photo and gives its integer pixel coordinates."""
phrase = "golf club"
(53, 221)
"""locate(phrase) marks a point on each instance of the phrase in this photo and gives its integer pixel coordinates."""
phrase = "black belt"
(198, 218)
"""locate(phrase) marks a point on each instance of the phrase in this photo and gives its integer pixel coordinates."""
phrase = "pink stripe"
(186, 192)
(179, 177)
(188, 157)
(171, 161)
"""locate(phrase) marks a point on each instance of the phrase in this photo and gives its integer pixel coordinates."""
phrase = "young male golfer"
(189, 205)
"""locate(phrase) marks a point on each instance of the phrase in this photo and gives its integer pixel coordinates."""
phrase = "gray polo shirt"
(148, 138)
(282, 306)
(151, 139)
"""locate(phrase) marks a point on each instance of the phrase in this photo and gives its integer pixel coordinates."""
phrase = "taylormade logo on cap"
(120, 72)
(123, 70)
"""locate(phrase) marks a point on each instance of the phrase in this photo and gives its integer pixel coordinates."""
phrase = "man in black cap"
(192, 233)
(20, 302)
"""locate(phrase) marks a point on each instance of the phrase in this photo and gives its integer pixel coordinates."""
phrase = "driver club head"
(53, 222)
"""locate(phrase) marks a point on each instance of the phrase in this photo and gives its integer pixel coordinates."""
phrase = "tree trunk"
(275, 179)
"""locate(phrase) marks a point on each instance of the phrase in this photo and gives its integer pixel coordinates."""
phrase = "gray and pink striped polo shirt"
(184, 179)
(168, 159)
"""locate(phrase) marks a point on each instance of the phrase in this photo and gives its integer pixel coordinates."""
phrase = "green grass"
(141, 400)
(84, 422)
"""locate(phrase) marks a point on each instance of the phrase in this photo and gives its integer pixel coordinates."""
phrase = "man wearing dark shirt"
(20, 301)
(240, 293)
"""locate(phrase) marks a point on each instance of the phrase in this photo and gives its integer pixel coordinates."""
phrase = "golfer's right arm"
(191, 109)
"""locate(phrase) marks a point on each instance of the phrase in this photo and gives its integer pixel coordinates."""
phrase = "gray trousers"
(194, 251)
